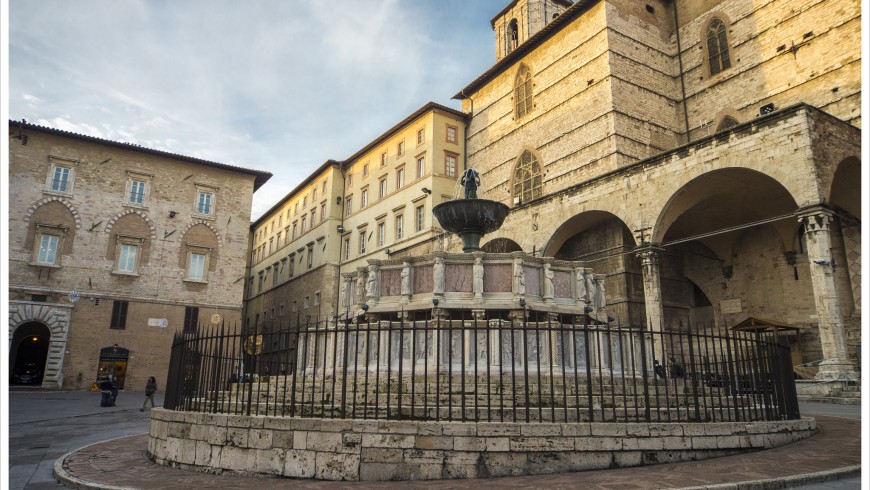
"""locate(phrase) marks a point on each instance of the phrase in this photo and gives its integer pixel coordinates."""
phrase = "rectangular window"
(349, 180)
(421, 167)
(313, 217)
(196, 270)
(310, 256)
(400, 220)
(292, 265)
(127, 258)
(294, 231)
(61, 179)
(48, 249)
(346, 248)
(366, 170)
(324, 187)
(191, 318)
(383, 159)
(451, 134)
(450, 164)
(303, 225)
(278, 239)
(271, 244)
(400, 148)
(204, 202)
(348, 206)
(382, 188)
(119, 315)
(364, 198)
(381, 234)
(313, 195)
(400, 178)
(137, 191)
(362, 242)
(323, 212)
(421, 136)
(420, 218)
(305, 202)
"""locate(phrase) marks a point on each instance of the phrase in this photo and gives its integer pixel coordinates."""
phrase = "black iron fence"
(539, 368)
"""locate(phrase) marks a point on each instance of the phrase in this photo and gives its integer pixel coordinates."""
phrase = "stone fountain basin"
(471, 215)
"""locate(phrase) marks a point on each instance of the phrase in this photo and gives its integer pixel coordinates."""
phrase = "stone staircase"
(836, 392)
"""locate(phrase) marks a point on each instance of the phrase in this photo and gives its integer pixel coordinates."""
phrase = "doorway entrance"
(113, 361)
(28, 354)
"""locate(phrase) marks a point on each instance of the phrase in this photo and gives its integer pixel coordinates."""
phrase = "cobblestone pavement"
(834, 452)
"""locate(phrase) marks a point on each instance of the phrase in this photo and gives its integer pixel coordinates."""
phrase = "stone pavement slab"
(833, 452)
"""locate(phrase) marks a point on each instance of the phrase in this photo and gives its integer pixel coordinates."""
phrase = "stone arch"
(200, 234)
(56, 318)
(131, 224)
(72, 209)
(762, 196)
(726, 119)
(57, 214)
(845, 189)
(578, 224)
(111, 223)
(208, 224)
(501, 245)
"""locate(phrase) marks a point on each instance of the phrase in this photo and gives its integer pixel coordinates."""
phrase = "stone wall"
(376, 450)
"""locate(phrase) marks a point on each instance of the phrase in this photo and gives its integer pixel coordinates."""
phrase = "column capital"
(815, 218)
(649, 255)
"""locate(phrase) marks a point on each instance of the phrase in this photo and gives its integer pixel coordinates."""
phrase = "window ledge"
(195, 281)
(56, 193)
(204, 216)
(128, 274)
(127, 204)
(40, 264)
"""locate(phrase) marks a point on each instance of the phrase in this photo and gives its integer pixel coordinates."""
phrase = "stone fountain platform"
(380, 450)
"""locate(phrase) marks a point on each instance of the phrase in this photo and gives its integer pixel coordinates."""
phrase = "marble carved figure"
(519, 278)
(549, 288)
(477, 275)
(406, 279)
(580, 284)
(372, 284)
(438, 276)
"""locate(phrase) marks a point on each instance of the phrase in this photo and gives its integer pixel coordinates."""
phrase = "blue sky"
(275, 85)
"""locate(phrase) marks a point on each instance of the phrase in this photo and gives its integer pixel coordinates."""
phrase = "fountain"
(466, 365)
(471, 218)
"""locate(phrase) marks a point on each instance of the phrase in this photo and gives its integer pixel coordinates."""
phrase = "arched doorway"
(28, 353)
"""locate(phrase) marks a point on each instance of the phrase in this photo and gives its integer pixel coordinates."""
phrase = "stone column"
(652, 296)
(852, 244)
(816, 221)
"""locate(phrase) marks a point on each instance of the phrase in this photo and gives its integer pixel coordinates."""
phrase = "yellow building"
(375, 204)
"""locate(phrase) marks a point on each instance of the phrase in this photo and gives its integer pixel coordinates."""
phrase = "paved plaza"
(105, 448)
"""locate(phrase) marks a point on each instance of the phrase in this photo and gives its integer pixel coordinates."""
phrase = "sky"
(274, 85)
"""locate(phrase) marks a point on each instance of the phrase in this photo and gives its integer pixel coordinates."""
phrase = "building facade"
(705, 156)
(377, 203)
(113, 248)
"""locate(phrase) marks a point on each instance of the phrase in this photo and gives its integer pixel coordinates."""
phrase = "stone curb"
(67, 479)
(785, 482)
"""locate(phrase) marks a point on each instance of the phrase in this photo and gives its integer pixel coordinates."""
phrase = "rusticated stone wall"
(373, 450)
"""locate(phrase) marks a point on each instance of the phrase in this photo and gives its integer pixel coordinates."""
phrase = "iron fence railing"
(535, 369)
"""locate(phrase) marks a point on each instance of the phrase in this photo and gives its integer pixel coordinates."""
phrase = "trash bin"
(107, 400)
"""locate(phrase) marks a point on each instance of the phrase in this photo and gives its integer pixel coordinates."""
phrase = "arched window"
(717, 47)
(513, 36)
(725, 123)
(523, 91)
(527, 178)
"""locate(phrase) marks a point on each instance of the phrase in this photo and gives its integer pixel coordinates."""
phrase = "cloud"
(275, 85)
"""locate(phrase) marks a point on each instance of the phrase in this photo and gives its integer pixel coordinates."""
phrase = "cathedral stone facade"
(705, 156)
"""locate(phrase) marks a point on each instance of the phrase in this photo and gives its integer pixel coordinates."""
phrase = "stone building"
(374, 204)
(113, 248)
(704, 155)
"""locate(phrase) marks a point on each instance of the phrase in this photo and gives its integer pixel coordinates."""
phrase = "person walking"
(150, 389)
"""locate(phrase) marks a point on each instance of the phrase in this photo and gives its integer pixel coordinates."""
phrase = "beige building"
(113, 248)
(704, 155)
(375, 204)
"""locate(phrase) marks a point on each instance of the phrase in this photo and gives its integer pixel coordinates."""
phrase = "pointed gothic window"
(527, 179)
(523, 92)
(725, 123)
(717, 47)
